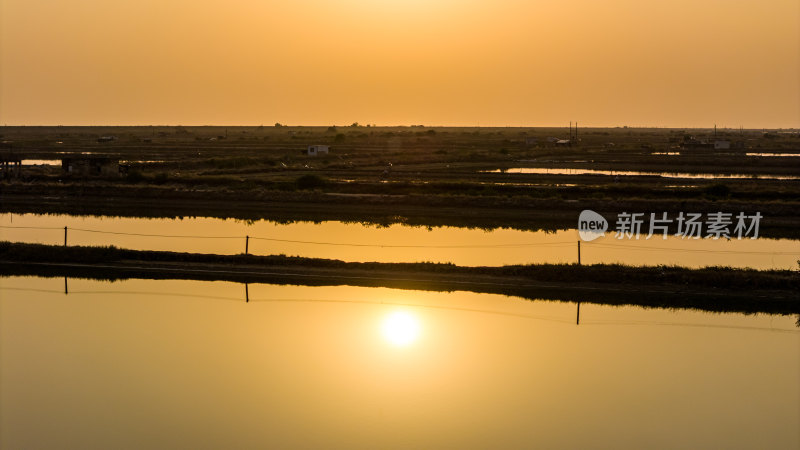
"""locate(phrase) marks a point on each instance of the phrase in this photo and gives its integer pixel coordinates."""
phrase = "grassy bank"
(524, 212)
(711, 289)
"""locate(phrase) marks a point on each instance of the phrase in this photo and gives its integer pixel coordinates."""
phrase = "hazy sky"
(434, 62)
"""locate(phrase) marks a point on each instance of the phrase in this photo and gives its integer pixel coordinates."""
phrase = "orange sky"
(681, 63)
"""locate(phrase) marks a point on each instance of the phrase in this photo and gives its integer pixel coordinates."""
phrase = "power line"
(157, 235)
(295, 300)
(32, 228)
(455, 246)
(415, 305)
(416, 246)
(634, 247)
(560, 243)
(680, 324)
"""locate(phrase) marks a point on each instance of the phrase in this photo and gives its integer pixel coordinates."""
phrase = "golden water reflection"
(400, 328)
(190, 364)
(394, 243)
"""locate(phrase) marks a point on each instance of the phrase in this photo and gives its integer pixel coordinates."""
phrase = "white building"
(314, 150)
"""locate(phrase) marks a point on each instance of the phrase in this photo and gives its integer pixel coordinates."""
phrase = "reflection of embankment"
(711, 289)
(529, 212)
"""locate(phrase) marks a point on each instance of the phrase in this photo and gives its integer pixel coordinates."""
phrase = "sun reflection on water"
(400, 328)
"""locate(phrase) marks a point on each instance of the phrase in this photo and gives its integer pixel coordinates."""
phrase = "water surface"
(188, 364)
(775, 155)
(706, 176)
(394, 243)
(41, 162)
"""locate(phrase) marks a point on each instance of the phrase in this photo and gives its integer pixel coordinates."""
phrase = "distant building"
(106, 138)
(691, 142)
(90, 166)
(563, 143)
(722, 145)
(10, 166)
(314, 150)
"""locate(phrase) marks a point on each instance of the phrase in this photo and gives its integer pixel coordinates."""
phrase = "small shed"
(314, 150)
(90, 166)
(722, 145)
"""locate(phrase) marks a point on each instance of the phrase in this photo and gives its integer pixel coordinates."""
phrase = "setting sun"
(400, 328)
(399, 223)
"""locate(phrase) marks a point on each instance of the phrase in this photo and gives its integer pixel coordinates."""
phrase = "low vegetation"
(715, 288)
(410, 168)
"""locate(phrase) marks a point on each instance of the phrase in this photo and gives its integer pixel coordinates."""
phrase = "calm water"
(707, 176)
(186, 364)
(775, 155)
(396, 243)
(57, 162)
(41, 162)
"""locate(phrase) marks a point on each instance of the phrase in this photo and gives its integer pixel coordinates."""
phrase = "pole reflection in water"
(183, 364)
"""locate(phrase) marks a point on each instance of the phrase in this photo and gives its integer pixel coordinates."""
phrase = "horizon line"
(282, 125)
